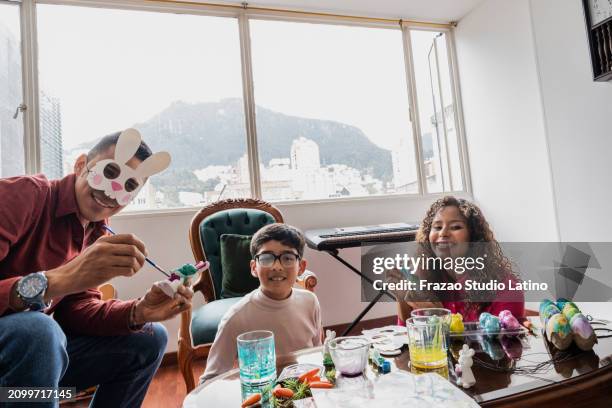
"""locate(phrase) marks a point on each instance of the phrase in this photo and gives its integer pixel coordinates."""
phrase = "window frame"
(244, 14)
(25, 105)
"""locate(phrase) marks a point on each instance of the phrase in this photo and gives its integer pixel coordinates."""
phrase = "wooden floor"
(168, 388)
(166, 391)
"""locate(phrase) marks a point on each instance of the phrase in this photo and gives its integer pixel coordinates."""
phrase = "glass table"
(570, 378)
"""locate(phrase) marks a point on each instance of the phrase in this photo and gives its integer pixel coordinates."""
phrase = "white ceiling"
(421, 10)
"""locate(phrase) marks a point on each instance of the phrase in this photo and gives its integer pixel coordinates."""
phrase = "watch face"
(31, 286)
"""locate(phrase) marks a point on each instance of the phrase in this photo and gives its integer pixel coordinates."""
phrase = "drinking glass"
(256, 360)
(428, 331)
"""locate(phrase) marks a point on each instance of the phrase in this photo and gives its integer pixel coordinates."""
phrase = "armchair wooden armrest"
(307, 280)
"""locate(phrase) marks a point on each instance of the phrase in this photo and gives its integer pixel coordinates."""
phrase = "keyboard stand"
(334, 253)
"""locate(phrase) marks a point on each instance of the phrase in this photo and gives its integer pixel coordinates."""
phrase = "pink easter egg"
(508, 321)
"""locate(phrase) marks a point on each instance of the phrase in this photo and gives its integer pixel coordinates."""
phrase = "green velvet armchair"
(199, 326)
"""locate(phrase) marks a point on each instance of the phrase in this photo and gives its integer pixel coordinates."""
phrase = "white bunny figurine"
(329, 336)
(465, 365)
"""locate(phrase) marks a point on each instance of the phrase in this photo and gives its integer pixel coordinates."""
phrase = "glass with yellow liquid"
(428, 338)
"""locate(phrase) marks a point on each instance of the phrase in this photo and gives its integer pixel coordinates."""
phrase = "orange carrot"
(251, 400)
(314, 378)
(308, 374)
(282, 393)
(321, 384)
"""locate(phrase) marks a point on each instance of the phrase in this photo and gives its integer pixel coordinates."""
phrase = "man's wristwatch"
(31, 290)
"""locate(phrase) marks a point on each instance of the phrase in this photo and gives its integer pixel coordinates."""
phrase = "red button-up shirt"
(39, 231)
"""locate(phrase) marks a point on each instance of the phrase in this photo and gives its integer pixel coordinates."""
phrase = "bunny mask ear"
(118, 180)
(153, 164)
(127, 145)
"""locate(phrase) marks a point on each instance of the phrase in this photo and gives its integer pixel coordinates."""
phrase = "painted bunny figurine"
(329, 336)
(118, 180)
(181, 276)
(465, 366)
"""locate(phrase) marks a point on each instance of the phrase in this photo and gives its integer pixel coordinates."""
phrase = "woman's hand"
(395, 276)
(424, 305)
(404, 308)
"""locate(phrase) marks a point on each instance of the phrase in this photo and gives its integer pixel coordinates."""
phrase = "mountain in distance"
(198, 135)
(213, 133)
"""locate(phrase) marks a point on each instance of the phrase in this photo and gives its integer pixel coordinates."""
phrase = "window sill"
(170, 212)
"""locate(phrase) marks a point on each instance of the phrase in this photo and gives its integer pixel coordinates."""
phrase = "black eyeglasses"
(267, 259)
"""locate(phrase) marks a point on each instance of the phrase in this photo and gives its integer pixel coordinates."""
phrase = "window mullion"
(459, 124)
(443, 114)
(29, 54)
(249, 105)
(414, 110)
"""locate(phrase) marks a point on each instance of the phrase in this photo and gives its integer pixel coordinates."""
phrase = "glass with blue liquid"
(257, 363)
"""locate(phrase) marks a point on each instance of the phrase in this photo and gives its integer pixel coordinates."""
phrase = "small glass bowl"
(350, 354)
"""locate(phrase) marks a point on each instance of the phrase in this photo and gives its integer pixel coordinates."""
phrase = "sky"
(114, 68)
(9, 17)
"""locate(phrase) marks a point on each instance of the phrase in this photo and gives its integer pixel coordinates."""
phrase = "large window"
(333, 112)
(247, 105)
(12, 158)
(174, 77)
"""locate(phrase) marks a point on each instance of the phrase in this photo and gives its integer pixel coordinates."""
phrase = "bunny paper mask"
(118, 180)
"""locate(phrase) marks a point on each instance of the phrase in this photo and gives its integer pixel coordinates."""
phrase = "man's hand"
(156, 306)
(108, 257)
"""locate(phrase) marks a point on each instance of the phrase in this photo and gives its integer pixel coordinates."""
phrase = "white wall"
(504, 122)
(338, 290)
(526, 82)
(578, 117)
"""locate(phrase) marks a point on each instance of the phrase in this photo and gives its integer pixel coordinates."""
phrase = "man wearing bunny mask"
(53, 251)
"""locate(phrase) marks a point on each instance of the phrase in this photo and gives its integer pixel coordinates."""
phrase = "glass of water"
(256, 360)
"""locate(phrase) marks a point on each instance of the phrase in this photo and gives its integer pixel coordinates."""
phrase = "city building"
(51, 148)
(12, 157)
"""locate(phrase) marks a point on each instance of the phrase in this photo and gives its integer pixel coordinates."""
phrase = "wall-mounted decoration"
(598, 17)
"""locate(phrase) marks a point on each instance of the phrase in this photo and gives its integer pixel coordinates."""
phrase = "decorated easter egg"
(508, 321)
(558, 331)
(456, 325)
(544, 304)
(492, 325)
(547, 310)
(569, 310)
(483, 318)
(550, 310)
(561, 302)
(583, 332)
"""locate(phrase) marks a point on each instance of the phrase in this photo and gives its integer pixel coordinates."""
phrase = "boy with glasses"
(293, 315)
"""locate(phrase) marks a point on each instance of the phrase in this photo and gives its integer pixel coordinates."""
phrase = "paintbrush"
(150, 262)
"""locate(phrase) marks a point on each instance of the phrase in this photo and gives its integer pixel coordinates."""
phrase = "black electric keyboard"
(336, 238)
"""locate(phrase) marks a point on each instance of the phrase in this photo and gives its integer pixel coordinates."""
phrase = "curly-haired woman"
(455, 228)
